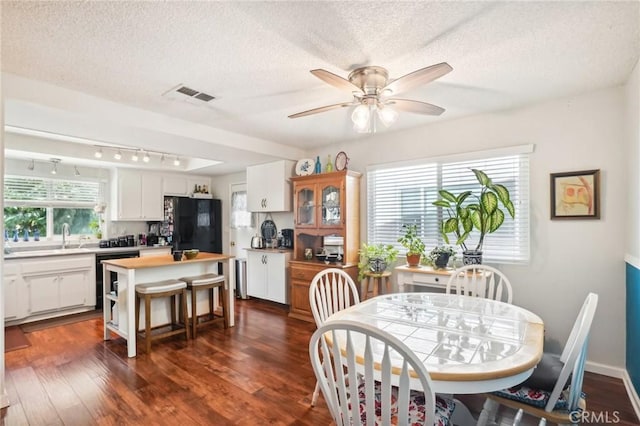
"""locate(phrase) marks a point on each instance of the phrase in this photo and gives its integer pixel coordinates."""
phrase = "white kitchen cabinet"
(267, 275)
(57, 284)
(13, 302)
(136, 195)
(268, 186)
(183, 185)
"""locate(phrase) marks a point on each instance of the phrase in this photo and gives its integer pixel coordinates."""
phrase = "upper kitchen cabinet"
(269, 187)
(184, 185)
(136, 195)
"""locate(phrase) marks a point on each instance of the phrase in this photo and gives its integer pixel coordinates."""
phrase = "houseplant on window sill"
(468, 211)
(412, 242)
(375, 258)
(439, 256)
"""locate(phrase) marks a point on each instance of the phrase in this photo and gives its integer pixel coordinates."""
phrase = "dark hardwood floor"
(253, 374)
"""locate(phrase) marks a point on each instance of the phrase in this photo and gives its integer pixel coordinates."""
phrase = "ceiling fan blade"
(417, 78)
(322, 109)
(337, 81)
(415, 106)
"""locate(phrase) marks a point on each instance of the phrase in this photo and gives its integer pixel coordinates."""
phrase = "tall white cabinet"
(267, 275)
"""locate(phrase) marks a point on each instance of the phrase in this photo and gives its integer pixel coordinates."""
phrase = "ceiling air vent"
(189, 95)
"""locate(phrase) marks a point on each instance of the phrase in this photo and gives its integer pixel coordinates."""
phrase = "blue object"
(36, 235)
(6, 235)
(15, 236)
(318, 168)
(26, 235)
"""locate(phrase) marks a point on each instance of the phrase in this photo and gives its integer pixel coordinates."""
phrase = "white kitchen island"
(133, 271)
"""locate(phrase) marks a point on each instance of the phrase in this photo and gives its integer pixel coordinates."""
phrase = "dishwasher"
(112, 276)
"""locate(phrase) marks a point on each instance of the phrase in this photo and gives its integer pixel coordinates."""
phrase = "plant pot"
(472, 257)
(413, 259)
(442, 260)
(377, 265)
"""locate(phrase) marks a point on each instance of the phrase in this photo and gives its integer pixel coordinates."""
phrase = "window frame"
(429, 216)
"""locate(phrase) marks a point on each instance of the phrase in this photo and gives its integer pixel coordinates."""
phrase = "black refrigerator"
(193, 223)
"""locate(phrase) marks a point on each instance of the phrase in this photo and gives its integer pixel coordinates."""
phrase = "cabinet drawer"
(303, 274)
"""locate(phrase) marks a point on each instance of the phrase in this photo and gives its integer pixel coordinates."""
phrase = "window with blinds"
(401, 195)
(19, 190)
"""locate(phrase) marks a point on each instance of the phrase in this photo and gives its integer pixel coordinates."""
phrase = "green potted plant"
(468, 211)
(95, 227)
(375, 258)
(439, 256)
(411, 241)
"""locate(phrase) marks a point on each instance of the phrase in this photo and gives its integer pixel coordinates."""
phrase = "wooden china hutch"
(326, 204)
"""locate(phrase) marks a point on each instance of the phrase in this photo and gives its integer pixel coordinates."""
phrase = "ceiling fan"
(372, 90)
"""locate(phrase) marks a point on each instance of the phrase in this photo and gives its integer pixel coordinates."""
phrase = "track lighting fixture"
(162, 159)
(176, 162)
(146, 157)
(98, 153)
(134, 156)
(137, 154)
(76, 172)
(31, 165)
(117, 155)
(54, 168)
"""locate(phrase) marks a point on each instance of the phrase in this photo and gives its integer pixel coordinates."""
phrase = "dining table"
(468, 344)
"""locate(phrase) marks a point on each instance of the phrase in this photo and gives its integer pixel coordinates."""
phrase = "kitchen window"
(403, 193)
(43, 205)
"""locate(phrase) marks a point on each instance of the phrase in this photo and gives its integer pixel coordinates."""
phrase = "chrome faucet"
(65, 233)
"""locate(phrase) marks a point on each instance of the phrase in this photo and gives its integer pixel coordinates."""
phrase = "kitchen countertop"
(270, 250)
(164, 260)
(72, 251)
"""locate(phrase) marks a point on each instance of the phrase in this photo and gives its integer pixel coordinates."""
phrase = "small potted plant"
(375, 258)
(470, 210)
(439, 257)
(413, 243)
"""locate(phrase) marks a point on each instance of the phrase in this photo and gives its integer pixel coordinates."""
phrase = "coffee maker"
(287, 238)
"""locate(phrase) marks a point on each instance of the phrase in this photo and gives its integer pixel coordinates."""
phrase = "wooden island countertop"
(164, 260)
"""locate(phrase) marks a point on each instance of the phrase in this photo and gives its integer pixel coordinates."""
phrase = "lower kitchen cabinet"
(267, 275)
(48, 287)
(301, 274)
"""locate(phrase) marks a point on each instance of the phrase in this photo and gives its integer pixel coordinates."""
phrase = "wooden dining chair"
(480, 281)
(373, 389)
(546, 394)
(331, 290)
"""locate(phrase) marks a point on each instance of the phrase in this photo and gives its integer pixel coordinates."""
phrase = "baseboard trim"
(631, 391)
(4, 399)
(604, 369)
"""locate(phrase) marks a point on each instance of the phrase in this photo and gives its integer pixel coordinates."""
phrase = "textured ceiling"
(97, 69)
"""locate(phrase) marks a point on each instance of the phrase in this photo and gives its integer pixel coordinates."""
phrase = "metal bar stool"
(154, 290)
(207, 282)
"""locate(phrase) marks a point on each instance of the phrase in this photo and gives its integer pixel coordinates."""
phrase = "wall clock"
(341, 161)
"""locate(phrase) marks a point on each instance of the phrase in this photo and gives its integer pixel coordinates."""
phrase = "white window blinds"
(404, 194)
(34, 191)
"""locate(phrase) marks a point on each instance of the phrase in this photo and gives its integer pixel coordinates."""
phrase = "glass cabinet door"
(305, 206)
(331, 208)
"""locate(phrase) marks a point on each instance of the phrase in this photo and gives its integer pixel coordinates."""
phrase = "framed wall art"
(575, 195)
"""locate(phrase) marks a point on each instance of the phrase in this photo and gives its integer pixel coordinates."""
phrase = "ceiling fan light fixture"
(361, 116)
(387, 115)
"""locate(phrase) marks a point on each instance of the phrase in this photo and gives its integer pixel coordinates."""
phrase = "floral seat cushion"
(444, 407)
(534, 397)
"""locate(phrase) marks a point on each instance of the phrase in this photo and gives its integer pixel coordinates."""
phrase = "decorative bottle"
(26, 235)
(329, 164)
(6, 235)
(15, 236)
(36, 235)
(318, 168)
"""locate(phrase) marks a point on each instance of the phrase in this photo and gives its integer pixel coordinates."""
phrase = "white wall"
(632, 92)
(569, 258)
